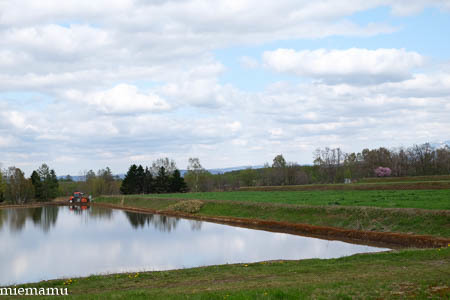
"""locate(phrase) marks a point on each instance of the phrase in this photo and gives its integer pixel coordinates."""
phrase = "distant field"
(405, 179)
(425, 199)
(402, 185)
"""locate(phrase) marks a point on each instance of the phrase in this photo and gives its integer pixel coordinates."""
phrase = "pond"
(60, 242)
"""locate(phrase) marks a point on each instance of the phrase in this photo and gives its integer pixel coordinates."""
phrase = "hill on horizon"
(212, 171)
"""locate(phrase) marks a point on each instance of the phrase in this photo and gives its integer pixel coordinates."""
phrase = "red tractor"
(78, 197)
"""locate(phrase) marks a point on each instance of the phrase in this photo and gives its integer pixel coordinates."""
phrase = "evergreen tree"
(129, 183)
(140, 180)
(148, 182)
(45, 183)
(37, 184)
(162, 181)
(53, 184)
(177, 184)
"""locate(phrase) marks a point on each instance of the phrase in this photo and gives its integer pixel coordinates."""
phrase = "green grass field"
(418, 274)
(424, 199)
(416, 221)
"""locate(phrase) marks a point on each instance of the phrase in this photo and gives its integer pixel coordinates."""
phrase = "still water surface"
(54, 242)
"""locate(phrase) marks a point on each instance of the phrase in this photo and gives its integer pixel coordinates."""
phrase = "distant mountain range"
(212, 171)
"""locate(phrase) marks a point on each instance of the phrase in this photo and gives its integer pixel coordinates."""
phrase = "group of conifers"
(141, 181)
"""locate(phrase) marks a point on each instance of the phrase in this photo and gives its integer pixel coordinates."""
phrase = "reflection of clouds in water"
(19, 266)
(86, 244)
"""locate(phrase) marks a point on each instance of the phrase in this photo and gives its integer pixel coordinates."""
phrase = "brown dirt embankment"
(387, 239)
(431, 185)
(30, 205)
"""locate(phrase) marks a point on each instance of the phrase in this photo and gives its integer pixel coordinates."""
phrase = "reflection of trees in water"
(101, 213)
(1, 219)
(162, 223)
(49, 216)
(16, 218)
(195, 225)
(93, 212)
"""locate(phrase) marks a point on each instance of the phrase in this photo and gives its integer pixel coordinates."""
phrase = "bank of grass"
(418, 274)
(424, 199)
(413, 221)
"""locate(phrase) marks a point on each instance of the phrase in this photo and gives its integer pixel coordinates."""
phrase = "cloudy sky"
(90, 84)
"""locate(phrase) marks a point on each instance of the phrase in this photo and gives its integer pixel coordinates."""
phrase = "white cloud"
(435, 84)
(146, 80)
(74, 36)
(199, 87)
(234, 126)
(52, 41)
(121, 99)
(7, 141)
(409, 7)
(354, 65)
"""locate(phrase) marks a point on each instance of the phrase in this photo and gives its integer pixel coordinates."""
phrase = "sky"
(90, 84)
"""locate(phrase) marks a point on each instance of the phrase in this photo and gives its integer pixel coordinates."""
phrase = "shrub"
(382, 172)
(188, 206)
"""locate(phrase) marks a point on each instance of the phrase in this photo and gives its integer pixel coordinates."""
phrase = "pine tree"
(129, 182)
(148, 182)
(45, 183)
(53, 184)
(177, 184)
(162, 181)
(37, 184)
(140, 180)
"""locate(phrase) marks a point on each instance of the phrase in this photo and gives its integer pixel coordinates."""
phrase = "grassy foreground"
(419, 274)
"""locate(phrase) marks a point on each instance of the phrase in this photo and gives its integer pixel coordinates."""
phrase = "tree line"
(419, 160)
(102, 182)
(167, 179)
(16, 188)
(330, 165)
